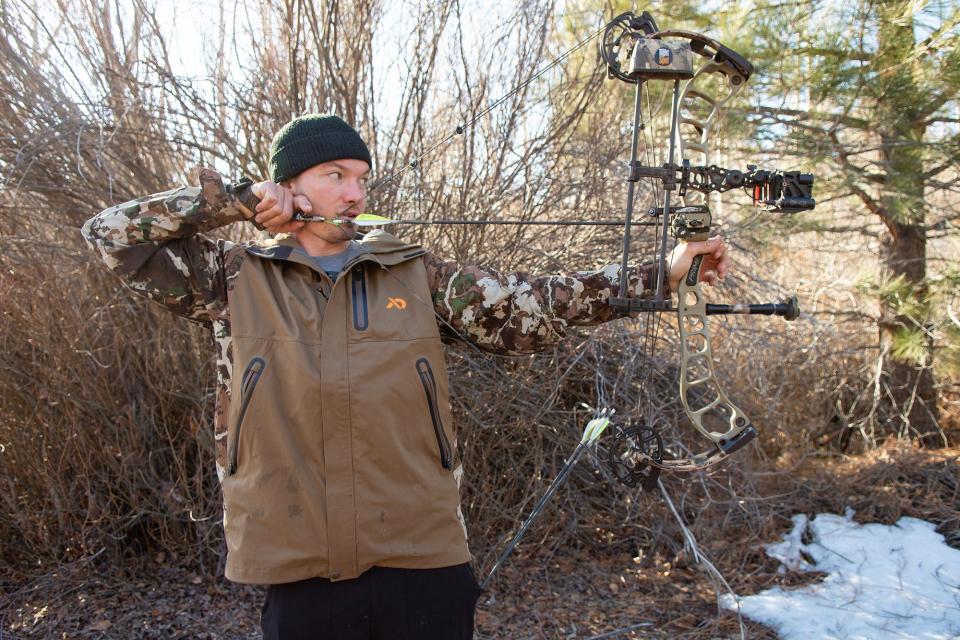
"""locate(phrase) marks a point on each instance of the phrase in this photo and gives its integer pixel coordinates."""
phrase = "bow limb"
(699, 109)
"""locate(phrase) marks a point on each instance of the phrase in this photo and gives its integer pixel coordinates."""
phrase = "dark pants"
(382, 604)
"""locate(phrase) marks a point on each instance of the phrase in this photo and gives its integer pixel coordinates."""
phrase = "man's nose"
(355, 191)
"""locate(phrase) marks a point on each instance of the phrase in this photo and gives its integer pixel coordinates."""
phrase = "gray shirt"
(333, 264)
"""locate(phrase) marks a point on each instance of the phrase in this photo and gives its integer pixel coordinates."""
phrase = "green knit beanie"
(311, 139)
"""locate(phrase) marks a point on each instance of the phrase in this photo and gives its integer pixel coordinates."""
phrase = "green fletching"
(594, 429)
(371, 220)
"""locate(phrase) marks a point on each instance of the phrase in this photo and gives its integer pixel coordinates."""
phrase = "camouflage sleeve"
(514, 313)
(154, 244)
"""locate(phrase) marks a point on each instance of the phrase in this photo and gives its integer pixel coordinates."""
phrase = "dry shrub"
(107, 408)
(889, 483)
(108, 405)
(105, 402)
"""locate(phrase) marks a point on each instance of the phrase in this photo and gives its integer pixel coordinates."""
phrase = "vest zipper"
(251, 376)
(321, 286)
(430, 390)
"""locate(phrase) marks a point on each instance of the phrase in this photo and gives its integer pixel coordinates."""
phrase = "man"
(335, 445)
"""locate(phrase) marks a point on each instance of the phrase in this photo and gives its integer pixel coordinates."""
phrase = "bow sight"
(636, 51)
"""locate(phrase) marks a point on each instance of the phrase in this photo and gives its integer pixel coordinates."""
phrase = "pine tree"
(869, 92)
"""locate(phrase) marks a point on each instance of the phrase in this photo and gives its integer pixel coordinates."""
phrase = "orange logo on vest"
(396, 303)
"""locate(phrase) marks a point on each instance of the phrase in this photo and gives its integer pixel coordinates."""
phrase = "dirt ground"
(569, 594)
(566, 596)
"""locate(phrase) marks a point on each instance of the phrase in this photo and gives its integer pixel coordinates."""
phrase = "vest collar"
(378, 246)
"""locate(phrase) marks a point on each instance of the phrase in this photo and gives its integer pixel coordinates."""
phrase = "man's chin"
(348, 229)
(332, 232)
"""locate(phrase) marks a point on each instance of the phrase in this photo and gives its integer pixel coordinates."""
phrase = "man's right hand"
(277, 206)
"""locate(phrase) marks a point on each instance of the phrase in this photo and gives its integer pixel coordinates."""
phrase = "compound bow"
(636, 51)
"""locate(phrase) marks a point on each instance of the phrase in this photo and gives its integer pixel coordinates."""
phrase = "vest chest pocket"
(389, 303)
(248, 384)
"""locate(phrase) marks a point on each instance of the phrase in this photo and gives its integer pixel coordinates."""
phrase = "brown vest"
(341, 447)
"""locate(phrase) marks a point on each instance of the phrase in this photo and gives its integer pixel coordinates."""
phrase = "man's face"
(337, 190)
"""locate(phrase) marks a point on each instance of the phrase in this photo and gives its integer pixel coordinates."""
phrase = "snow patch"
(899, 581)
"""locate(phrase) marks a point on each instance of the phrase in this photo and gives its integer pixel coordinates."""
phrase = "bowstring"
(652, 321)
(459, 130)
(645, 407)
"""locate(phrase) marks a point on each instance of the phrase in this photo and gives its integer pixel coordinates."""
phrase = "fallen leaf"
(99, 625)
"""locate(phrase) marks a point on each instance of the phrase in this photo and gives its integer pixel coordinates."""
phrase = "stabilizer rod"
(788, 308)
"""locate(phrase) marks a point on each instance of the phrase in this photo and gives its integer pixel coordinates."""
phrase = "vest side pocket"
(251, 376)
(425, 371)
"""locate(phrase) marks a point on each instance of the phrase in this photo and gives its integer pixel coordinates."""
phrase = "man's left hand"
(716, 261)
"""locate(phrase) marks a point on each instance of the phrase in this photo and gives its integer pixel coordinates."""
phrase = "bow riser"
(704, 400)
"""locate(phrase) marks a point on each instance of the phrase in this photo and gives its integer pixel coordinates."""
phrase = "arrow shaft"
(541, 503)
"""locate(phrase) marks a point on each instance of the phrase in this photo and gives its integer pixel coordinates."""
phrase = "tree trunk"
(908, 386)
